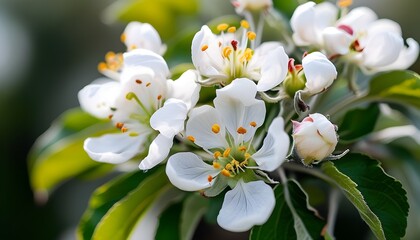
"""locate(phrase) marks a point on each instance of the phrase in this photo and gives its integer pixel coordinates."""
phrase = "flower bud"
(314, 138)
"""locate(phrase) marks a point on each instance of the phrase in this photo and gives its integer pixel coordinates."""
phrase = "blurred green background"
(49, 50)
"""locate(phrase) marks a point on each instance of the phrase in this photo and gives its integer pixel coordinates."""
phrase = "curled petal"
(188, 172)
(169, 120)
(275, 147)
(146, 58)
(143, 35)
(273, 69)
(319, 72)
(407, 57)
(246, 205)
(114, 148)
(382, 49)
(185, 88)
(158, 151)
(98, 97)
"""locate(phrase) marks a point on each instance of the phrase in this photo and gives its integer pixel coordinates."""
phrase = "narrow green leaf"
(292, 217)
(193, 210)
(397, 86)
(105, 197)
(379, 198)
(169, 223)
(358, 123)
(58, 154)
(123, 217)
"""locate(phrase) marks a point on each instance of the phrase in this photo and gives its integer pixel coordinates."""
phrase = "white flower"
(142, 35)
(314, 138)
(226, 57)
(226, 132)
(359, 36)
(146, 105)
(251, 5)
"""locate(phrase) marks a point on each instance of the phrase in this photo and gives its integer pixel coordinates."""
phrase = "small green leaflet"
(292, 217)
(379, 198)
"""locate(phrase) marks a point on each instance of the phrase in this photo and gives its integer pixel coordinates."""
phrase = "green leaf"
(136, 214)
(105, 197)
(379, 198)
(195, 206)
(397, 86)
(169, 223)
(58, 154)
(358, 123)
(292, 217)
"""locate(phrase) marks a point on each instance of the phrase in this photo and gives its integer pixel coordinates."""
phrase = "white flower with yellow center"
(146, 105)
(226, 57)
(358, 36)
(226, 132)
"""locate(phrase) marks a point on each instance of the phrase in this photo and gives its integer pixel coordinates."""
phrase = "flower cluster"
(232, 144)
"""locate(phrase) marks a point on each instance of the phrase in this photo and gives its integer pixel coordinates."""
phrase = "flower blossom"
(142, 35)
(226, 131)
(359, 36)
(315, 138)
(143, 105)
(226, 57)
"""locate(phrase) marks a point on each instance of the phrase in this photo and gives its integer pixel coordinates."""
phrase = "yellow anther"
(133, 134)
(222, 27)
(102, 66)
(253, 124)
(191, 138)
(148, 84)
(247, 156)
(242, 148)
(226, 152)
(133, 46)
(225, 173)
(119, 125)
(232, 29)
(241, 130)
(344, 3)
(124, 129)
(109, 56)
(204, 47)
(234, 162)
(138, 81)
(216, 165)
(215, 128)
(227, 51)
(159, 97)
(123, 37)
(247, 55)
(110, 116)
(228, 166)
(245, 24)
(209, 178)
(217, 154)
(251, 35)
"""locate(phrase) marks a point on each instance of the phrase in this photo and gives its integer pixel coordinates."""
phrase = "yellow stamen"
(133, 47)
(225, 173)
(109, 56)
(232, 29)
(119, 125)
(241, 130)
(215, 128)
(191, 138)
(226, 152)
(133, 134)
(204, 47)
(245, 24)
(217, 154)
(242, 148)
(148, 84)
(344, 3)
(251, 35)
(138, 81)
(247, 55)
(159, 97)
(227, 51)
(123, 37)
(102, 66)
(222, 27)
(253, 124)
(124, 129)
(247, 156)
(228, 166)
(216, 165)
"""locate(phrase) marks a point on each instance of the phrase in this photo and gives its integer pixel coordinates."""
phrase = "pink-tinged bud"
(314, 138)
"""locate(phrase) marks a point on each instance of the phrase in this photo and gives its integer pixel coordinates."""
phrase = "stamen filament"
(131, 96)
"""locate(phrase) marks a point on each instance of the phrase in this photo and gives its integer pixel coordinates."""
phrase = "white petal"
(275, 147)
(158, 151)
(319, 72)
(273, 69)
(336, 41)
(188, 172)
(326, 15)
(238, 107)
(200, 125)
(325, 127)
(209, 62)
(407, 57)
(169, 120)
(148, 223)
(143, 35)
(384, 25)
(146, 58)
(114, 148)
(302, 23)
(98, 97)
(382, 49)
(358, 18)
(185, 88)
(246, 205)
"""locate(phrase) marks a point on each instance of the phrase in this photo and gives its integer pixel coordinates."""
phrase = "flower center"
(112, 65)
